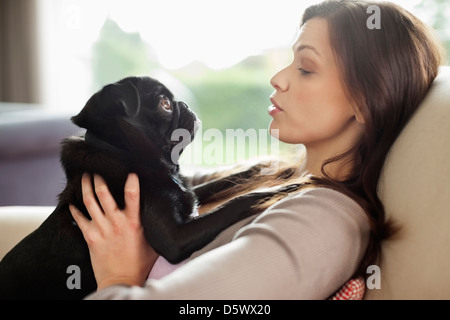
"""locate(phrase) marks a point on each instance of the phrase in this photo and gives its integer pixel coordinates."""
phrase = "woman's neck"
(337, 170)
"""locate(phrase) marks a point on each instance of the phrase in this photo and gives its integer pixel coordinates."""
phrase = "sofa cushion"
(415, 189)
(17, 222)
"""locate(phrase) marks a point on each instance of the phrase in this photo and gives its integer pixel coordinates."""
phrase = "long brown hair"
(387, 73)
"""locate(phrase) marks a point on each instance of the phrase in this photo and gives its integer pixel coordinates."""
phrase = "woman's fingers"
(106, 206)
(132, 200)
(79, 218)
(89, 199)
(107, 202)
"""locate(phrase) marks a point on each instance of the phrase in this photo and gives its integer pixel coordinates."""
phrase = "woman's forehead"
(314, 37)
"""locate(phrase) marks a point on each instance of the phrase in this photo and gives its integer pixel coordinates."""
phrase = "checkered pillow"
(352, 290)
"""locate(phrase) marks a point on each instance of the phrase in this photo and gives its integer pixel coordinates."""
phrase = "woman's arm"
(304, 247)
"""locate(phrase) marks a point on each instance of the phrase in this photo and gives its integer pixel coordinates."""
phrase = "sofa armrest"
(16, 222)
(30, 143)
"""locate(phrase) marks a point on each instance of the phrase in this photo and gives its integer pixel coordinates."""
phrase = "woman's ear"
(359, 116)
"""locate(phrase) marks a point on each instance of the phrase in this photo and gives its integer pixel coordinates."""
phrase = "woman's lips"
(274, 108)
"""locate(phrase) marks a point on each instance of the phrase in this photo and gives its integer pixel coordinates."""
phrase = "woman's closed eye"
(304, 72)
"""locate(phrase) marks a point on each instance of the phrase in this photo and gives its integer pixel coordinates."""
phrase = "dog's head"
(137, 113)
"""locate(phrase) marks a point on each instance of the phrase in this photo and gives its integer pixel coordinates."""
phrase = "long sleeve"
(303, 247)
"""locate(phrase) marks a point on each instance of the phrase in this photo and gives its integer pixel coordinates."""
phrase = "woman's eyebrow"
(305, 46)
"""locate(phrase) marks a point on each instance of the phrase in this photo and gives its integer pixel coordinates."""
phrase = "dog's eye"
(165, 103)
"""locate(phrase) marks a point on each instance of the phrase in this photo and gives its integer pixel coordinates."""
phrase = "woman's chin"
(276, 131)
(282, 135)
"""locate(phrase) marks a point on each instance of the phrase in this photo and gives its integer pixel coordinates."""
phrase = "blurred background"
(218, 56)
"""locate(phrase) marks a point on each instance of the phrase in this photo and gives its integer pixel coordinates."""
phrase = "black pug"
(129, 127)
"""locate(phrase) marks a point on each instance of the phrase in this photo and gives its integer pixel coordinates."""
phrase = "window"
(216, 56)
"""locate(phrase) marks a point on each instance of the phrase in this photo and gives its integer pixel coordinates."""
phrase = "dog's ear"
(117, 99)
(130, 98)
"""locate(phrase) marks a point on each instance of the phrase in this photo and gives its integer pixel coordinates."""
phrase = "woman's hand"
(118, 249)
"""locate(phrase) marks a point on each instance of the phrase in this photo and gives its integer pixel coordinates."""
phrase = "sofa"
(414, 187)
(30, 143)
(415, 190)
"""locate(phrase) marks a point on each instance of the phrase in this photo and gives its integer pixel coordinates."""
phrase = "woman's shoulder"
(323, 194)
(321, 203)
(313, 222)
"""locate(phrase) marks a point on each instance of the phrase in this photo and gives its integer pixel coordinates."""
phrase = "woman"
(346, 96)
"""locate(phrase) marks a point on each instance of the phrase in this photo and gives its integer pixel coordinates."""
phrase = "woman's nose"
(279, 81)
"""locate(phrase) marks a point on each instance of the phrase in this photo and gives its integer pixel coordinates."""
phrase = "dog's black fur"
(129, 129)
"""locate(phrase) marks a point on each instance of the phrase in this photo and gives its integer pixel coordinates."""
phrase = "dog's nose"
(184, 104)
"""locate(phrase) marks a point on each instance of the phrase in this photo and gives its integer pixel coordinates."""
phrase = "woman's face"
(309, 103)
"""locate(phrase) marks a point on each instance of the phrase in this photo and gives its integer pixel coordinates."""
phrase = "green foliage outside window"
(232, 98)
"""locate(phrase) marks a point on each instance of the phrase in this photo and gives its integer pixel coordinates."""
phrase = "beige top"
(306, 246)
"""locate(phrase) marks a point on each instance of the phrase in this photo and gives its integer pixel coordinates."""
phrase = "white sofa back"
(415, 189)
